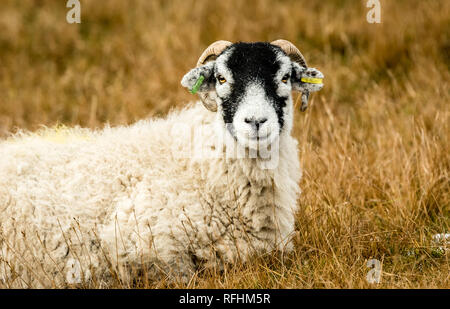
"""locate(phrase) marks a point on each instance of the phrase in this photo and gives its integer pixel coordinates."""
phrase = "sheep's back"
(56, 182)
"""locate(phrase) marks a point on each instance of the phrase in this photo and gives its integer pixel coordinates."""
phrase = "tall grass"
(374, 142)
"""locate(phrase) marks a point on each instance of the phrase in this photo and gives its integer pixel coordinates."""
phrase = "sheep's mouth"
(259, 138)
(251, 140)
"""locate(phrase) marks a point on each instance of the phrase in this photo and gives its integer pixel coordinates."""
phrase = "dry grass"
(374, 143)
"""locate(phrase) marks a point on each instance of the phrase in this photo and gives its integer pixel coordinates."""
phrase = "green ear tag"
(197, 85)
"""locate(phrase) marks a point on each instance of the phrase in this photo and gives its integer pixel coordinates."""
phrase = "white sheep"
(79, 205)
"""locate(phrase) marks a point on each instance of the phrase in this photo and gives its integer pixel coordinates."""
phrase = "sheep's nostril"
(255, 122)
(261, 121)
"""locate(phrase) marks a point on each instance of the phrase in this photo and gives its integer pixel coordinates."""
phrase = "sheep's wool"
(76, 203)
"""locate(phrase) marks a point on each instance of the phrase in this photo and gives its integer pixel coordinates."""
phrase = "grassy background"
(374, 142)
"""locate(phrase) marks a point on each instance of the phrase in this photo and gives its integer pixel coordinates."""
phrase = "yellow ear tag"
(312, 80)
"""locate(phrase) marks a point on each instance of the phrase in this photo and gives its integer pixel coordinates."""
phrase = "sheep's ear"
(306, 80)
(195, 83)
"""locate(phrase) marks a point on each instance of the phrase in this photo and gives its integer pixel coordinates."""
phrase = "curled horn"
(292, 51)
(211, 53)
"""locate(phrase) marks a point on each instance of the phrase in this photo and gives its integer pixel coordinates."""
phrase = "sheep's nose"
(255, 122)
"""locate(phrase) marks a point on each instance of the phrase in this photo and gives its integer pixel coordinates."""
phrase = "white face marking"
(283, 89)
(255, 122)
(224, 90)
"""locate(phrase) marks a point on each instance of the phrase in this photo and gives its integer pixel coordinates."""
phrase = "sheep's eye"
(221, 79)
(285, 78)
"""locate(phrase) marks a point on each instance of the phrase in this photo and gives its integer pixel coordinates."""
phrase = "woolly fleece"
(79, 201)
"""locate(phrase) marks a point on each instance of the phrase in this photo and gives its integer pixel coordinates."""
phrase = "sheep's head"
(250, 85)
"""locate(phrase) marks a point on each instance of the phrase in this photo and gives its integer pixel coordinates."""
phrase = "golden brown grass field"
(374, 142)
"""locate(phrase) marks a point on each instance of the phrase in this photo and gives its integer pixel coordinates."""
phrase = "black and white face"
(251, 84)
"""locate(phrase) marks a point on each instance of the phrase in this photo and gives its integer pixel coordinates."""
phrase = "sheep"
(79, 205)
